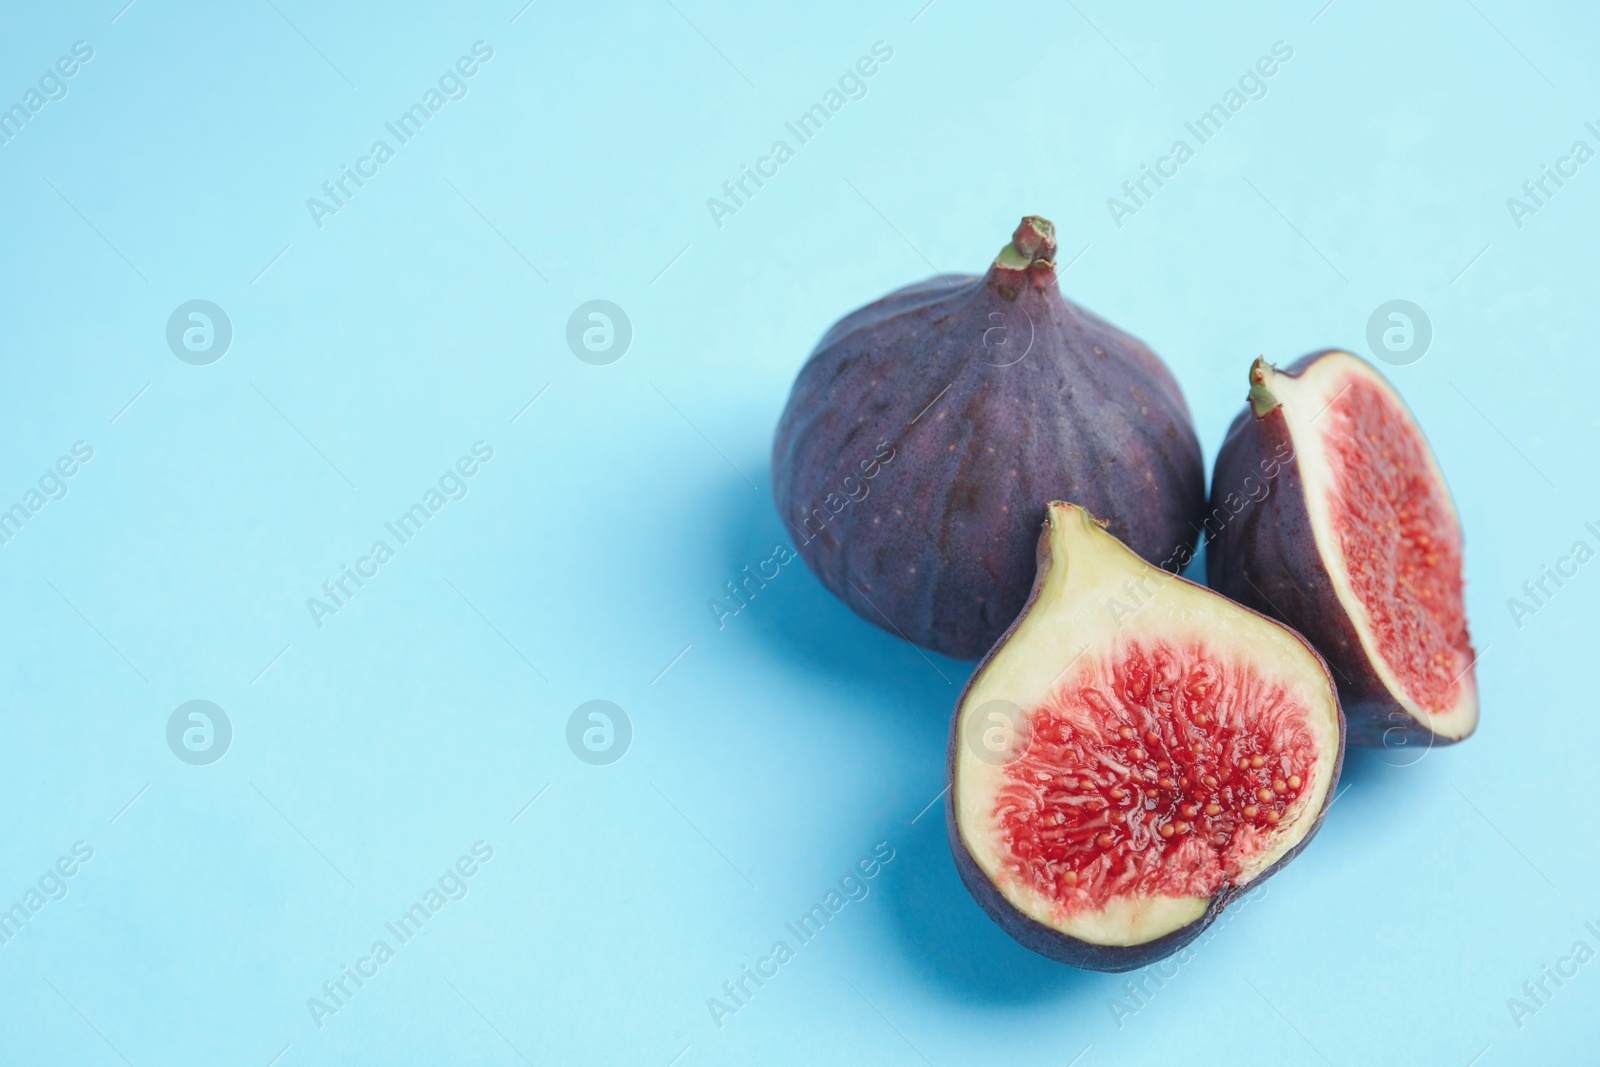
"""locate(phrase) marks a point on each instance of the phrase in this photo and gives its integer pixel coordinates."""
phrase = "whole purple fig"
(929, 429)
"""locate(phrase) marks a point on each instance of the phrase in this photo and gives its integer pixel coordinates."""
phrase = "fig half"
(928, 430)
(1136, 752)
(1329, 513)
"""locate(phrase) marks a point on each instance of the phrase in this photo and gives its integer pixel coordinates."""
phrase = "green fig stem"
(1030, 254)
(1261, 398)
(1035, 237)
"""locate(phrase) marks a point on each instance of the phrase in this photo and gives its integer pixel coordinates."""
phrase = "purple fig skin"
(1053, 944)
(929, 429)
(1265, 557)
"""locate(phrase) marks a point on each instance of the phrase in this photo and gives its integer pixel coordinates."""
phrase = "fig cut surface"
(1132, 755)
(1355, 543)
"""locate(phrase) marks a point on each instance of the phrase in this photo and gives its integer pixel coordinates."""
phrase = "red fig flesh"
(928, 431)
(1353, 540)
(1134, 753)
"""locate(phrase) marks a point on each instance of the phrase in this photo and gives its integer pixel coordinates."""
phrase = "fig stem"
(1261, 398)
(1035, 237)
(1031, 251)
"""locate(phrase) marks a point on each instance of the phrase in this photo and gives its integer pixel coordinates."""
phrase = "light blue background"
(780, 749)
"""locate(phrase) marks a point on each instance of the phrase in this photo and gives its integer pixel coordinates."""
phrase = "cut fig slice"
(1329, 513)
(1133, 754)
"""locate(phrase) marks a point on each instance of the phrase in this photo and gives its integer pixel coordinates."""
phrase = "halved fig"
(1133, 754)
(1329, 513)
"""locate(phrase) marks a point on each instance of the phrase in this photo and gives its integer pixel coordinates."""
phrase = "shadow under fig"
(1395, 774)
(940, 931)
(953, 944)
(913, 691)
